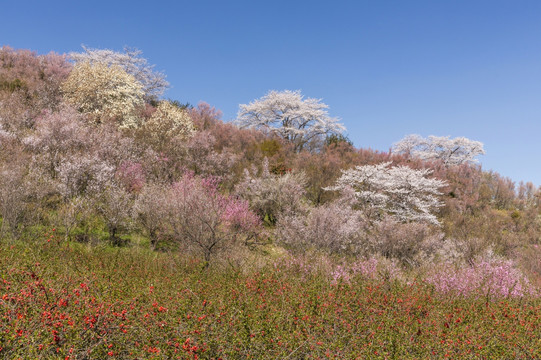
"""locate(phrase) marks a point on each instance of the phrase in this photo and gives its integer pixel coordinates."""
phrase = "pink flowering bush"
(491, 278)
(237, 215)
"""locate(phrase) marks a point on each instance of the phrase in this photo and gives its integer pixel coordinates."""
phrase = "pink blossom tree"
(207, 221)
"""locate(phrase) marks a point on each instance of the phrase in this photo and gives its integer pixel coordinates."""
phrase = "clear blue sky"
(386, 68)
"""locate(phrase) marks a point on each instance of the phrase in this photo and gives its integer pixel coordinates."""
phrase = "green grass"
(77, 301)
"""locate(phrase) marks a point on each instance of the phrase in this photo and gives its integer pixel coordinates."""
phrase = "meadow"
(71, 301)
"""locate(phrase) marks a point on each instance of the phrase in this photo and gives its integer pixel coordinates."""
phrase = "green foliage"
(335, 139)
(181, 105)
(12, 86)
(270, 147)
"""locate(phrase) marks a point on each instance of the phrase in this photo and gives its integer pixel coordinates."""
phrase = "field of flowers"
(72, 301)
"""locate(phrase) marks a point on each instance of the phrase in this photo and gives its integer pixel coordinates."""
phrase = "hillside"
(135, 193)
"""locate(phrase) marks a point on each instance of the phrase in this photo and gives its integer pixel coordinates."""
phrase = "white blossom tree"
(289, 115)
(104, 92)
(404, 193)
(450, 151)
(153, 82)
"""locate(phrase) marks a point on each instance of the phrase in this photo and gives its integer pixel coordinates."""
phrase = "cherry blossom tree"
(404, 193)
(291, 116)
(153, 82)
(450, 151)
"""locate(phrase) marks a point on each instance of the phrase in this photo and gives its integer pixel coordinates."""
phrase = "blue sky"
(386, 68)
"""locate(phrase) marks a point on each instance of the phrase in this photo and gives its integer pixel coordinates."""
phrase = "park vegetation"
(132, 226)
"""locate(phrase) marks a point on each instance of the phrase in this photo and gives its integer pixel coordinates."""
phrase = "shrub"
(490, 277)
(412, 244)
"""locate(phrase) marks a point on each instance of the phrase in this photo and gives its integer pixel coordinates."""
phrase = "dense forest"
(95, 162)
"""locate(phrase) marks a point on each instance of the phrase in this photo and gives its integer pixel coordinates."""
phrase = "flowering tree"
(403, 192)
(114, 204)
(205, 220)
(13, 194)
(56, 135)
(332, 227)
(104, 92)
(83, 175)
(153, 83)
(167, 122)
(451, 151)
(198, 154)
(289, 115)
(150, 210)
(271, 195)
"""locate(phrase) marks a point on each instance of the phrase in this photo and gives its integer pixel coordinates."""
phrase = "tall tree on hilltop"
(291, 116)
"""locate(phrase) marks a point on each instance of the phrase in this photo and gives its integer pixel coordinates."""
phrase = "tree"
(333, 227)
(207, 221)
(450, 151)
(115, 205)
(403, 192)
(289, 115)
(14, 190)
(104, 92)
(153, 83)
(150, 209)
(167, 122)
(56, 135)
(271, 195)
(83, 175)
